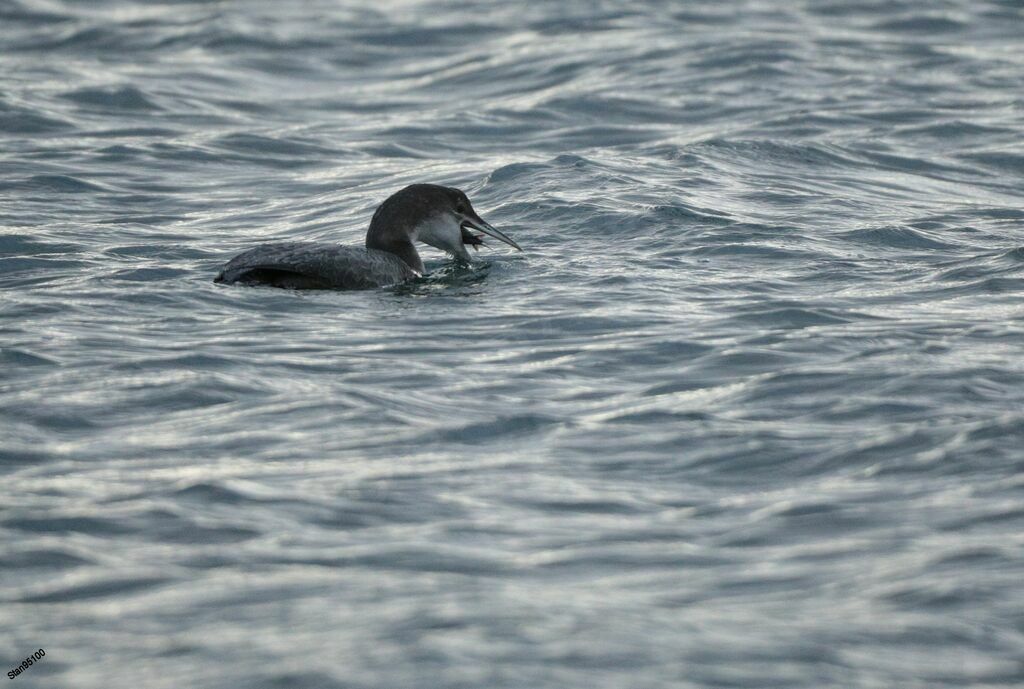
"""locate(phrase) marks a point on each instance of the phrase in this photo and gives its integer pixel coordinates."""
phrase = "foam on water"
(747, 412)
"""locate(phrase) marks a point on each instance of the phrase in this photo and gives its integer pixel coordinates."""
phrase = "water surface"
(747, 412)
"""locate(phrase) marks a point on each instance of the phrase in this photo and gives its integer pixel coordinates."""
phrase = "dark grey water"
(746, 413)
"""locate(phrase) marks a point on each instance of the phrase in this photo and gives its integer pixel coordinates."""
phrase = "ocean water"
(746, 412)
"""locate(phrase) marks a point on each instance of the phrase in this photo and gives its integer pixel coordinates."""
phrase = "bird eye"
(459, 208)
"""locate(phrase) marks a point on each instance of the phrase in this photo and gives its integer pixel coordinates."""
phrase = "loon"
(439, 216)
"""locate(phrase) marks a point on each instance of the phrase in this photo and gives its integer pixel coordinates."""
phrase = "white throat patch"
(442, 231)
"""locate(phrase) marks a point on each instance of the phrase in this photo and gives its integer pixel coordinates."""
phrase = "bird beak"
(475, 222)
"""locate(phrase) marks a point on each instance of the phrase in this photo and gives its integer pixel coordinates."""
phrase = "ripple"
(104, 588)
(792, 318)
(62, 184)
(41, 558)
(124, 98)
(924, 24)
(18, 120)
(1000, 160)
(522, 425)
(19, 357)
(894, 237)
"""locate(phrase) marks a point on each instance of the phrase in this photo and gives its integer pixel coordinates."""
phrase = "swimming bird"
(439, 216)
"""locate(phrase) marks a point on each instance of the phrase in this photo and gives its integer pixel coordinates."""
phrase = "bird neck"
(398, 244)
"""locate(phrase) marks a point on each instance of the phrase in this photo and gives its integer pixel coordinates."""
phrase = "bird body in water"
(439, 216)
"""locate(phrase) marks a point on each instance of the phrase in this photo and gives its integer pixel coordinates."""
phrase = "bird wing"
(313, 265)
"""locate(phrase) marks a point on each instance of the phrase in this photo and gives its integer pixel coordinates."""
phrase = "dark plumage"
(315, 265)
(436, 215)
